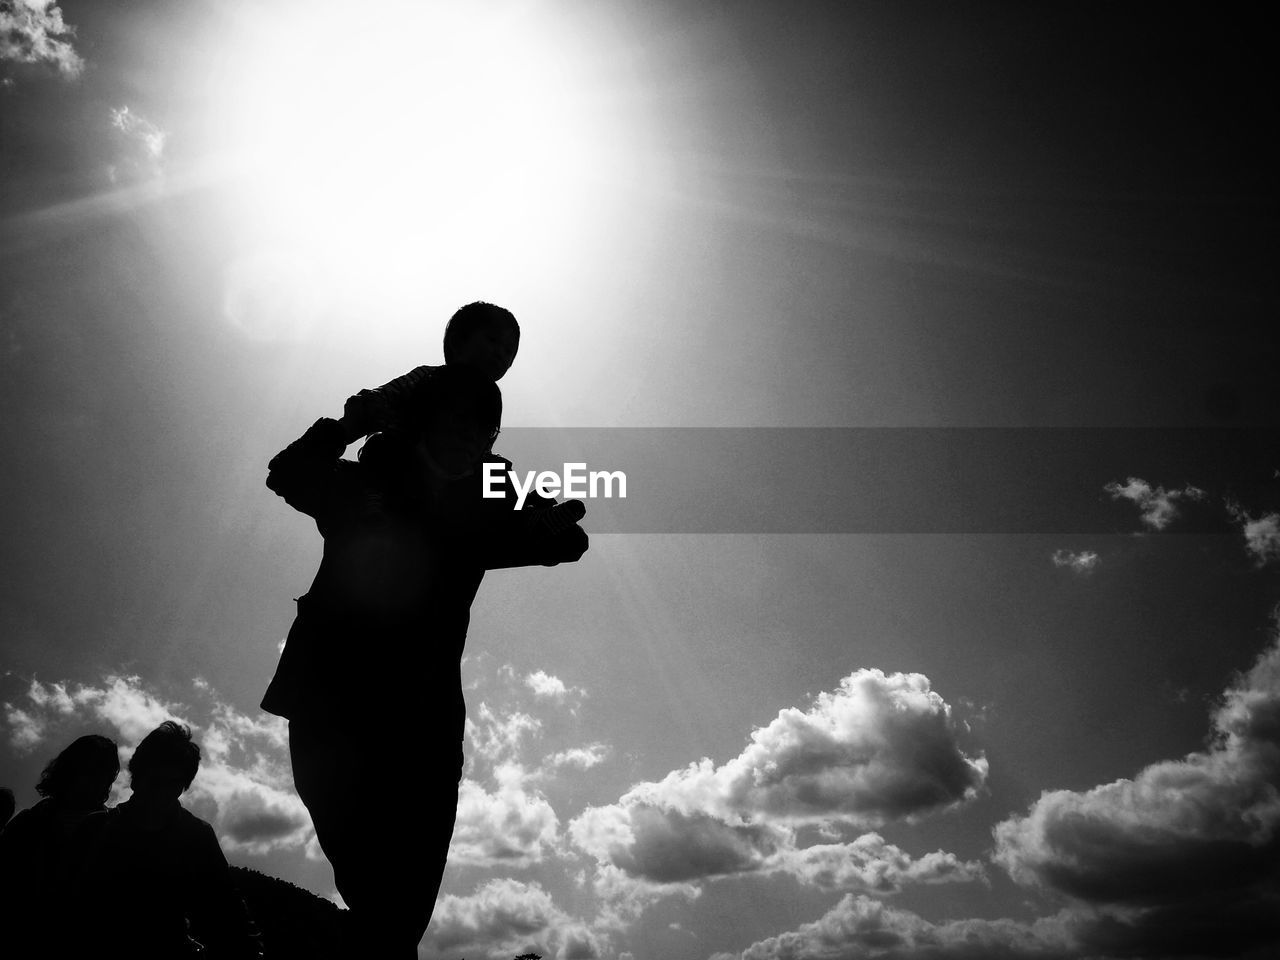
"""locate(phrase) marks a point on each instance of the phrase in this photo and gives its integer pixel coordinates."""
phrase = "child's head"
(82, 774)
(482, 336)
(165, 762)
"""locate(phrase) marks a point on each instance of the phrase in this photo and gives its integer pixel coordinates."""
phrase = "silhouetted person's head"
(451, 423)
(484, 337)
(80, 776)
(456, 416)
(7, 805)
(165, 762)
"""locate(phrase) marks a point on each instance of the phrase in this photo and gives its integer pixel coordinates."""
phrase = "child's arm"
(372, 410)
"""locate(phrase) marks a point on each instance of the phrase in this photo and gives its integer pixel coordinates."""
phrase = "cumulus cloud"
(512, 825)
(1187, 852)
(1261, 534)
(505, 917)
(1081, 563)
(244, 785)
(33, 31)
(881, 748)
(544, 684)
(861, 927)
(1157, 505)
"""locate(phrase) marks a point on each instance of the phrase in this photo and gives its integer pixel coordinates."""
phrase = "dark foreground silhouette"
(159, 868)
(369, 678)
(41, 849)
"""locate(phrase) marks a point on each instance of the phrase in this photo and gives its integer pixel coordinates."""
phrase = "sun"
(393, 139)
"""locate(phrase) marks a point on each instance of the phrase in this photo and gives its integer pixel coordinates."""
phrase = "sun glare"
(417, 139)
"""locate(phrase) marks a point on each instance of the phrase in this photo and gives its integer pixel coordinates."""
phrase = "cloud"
(244, 785)
(1081, 563)
(544, 684)
(140, 152)
(33, 31)
(511, 826)
(871, 864)
(505, 917)
(1156, 504)
(861, 927)
(26, 731)
(1261, 534)
(581, 758)
(496, 737)
(1188, 851)
(667, 846)
(880, 748)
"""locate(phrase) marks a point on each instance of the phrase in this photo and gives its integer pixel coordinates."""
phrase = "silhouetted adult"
(155, 871)
(40, 848)
(370, 674)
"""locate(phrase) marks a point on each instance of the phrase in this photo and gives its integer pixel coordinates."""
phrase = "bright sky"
(219, 219)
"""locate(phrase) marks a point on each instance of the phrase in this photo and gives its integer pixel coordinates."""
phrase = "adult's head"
(81, 775)
(454, 417)
(165, 762)
(482, 336)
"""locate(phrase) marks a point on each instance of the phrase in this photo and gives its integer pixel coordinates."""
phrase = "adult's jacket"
(379, 635)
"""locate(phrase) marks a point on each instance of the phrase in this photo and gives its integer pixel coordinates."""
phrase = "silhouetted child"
(370, 675)
(40, 848)
(157, 870)
(480, 335)
(484, 338)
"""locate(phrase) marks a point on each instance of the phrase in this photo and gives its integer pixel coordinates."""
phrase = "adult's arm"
(543, 532)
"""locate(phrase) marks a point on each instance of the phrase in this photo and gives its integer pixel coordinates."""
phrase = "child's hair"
(89, 756)
(472, 317)
(167, 749)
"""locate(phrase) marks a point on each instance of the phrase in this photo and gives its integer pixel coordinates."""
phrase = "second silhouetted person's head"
(165, 762)
(81, 775)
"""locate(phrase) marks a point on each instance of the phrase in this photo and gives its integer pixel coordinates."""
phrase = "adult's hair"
(468, 319)
(91, 757)
(167, 751)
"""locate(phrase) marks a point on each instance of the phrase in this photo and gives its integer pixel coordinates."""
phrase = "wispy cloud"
(860, 927)
(1082, 563)
(33, 31)
(140, 152)
(1158, 506)
(1261, 534)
